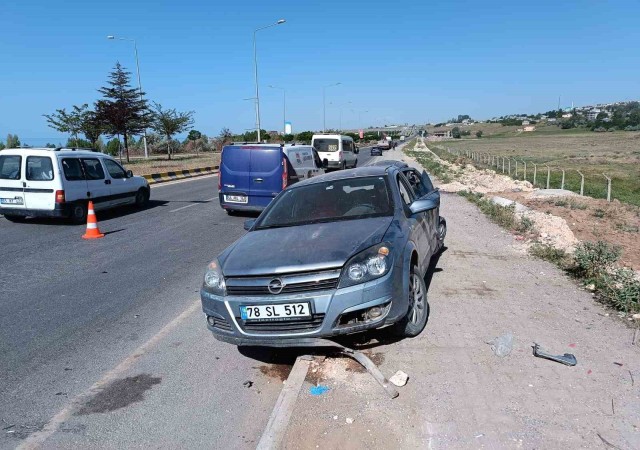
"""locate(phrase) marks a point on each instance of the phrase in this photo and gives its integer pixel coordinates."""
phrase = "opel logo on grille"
(275, 286)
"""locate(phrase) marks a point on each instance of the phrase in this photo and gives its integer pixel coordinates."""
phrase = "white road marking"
(281, 414)
(37, 439)
(171, 183)
(193, 204)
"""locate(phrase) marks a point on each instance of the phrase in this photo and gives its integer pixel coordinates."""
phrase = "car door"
(98, 186)
(423, 189)
(11, 184)
(419, 226)
(75, 184)
(123, 189)
(39, 189)
(347, 151)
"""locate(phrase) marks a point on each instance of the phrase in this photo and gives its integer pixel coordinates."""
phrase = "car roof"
(391, 162)
(337, 136)
(358, 172)
(44, 151)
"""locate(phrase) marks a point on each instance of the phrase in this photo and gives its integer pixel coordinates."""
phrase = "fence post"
(503, 164)
(525, 170)
(509, 159)
(581, 182)
(608, 187)
(548, 174)
(516, 167)
(562, 185)
(535, 172)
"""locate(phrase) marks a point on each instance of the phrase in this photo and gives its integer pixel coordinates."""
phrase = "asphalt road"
(75, 312)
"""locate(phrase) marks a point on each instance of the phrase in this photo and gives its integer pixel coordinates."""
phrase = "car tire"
(441, 232)
(142, 198)
(344, 165)
(230, 212)
(79, 213)
(355, 164)
(14, 219)
(417, 316)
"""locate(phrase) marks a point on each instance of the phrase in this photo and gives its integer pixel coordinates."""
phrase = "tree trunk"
(126, 144)
(169, 146)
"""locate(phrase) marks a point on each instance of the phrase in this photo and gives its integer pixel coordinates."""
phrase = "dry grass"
(156, 164)
(617, 154)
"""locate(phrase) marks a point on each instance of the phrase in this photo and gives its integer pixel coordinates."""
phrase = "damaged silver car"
(337, 254)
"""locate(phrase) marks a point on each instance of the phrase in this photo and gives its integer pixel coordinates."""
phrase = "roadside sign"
(361, 134)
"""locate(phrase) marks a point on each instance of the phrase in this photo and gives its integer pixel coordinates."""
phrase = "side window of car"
(115, 170)
(39, 168)
(72, 169)
(418, 183)
(93, 169)
(346, 146)
(404, 190)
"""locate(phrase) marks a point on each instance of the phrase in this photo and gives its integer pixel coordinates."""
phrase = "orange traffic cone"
(93, 232)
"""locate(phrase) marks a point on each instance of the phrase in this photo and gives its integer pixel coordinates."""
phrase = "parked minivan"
(251, 175)
(340, 151)
(45, 182)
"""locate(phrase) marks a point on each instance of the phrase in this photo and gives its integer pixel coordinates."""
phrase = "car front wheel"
(142, 197)
(441, 232)
(418, 313)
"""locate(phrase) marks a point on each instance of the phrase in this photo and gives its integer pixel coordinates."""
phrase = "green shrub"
(592, 259)
(549, 253)
(599, 213)
(525, 225)
(621, 289)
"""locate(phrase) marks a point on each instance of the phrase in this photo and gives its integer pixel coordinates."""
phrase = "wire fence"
(541, 175)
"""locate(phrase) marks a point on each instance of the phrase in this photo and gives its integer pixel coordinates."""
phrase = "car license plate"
(235, 198)
(12, 201)
(275, 312)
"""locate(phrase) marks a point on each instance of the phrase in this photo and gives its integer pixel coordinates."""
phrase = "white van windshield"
(326, 145)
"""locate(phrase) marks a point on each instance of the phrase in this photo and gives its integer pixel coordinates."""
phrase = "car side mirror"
(426, 203)
(325, 163)
(129, 174)
(248, 224)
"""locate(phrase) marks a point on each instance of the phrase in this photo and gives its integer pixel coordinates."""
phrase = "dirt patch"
(278, 371)
(593, 220)
(119, 394)
(339, 368)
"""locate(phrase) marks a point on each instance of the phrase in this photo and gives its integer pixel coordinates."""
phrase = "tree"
(122, 111)
(169, 122)
(113, 147)
(13, 141)
(288, 137)
(193, 136)
(68, 122)
(92, 128)
(455, 133)
(479, 134)
(305, 136)
(2, 145)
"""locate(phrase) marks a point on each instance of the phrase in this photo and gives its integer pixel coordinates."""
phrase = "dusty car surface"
(336, 254)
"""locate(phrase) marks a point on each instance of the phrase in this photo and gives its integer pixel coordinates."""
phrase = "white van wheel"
(79, 213)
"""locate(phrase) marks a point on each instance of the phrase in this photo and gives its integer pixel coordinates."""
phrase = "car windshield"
(349, 199)
(326, 145)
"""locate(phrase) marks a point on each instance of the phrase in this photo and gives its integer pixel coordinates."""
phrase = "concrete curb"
(179, 175)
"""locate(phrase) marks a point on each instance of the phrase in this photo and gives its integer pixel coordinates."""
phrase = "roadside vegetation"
(431, 165)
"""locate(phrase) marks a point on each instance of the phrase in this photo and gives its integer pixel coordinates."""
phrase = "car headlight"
(213, 279)
(367, 265)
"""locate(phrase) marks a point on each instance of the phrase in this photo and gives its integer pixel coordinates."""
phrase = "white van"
(305, 160)
(340, 151)
(46, 182)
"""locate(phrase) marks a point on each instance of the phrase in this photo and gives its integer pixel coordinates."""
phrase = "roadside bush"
(549, 253)
(621, 289)
(525, 225)
(502, 215)
(593, 259)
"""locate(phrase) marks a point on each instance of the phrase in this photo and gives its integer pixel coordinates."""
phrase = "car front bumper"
(327, 307)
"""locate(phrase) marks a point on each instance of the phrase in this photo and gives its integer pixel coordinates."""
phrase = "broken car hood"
(302, 248)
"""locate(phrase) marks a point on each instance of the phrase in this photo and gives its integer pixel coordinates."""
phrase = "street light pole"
(135, 48)
(284, 108)
(255, 63)
(324, 105)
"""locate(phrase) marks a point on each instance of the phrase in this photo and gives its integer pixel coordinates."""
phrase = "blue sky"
(403, 61)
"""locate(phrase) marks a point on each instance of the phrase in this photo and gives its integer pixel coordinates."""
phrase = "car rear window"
(39, 168)
(326, 145)
(10, 167)
(72, 169)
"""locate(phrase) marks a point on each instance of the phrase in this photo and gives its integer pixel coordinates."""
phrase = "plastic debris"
(502, 345)
(319, 389)
(349, 420)
(567, 359)
(399, 378)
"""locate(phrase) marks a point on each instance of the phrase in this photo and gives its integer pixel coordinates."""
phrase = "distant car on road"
(251, 175)
(376, 151)
(45, 182)
(337, 254)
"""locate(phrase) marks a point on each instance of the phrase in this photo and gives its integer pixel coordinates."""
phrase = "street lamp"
(284, 108)
(324, 105)
(340, 107)
(135, 48)
(255, 62)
